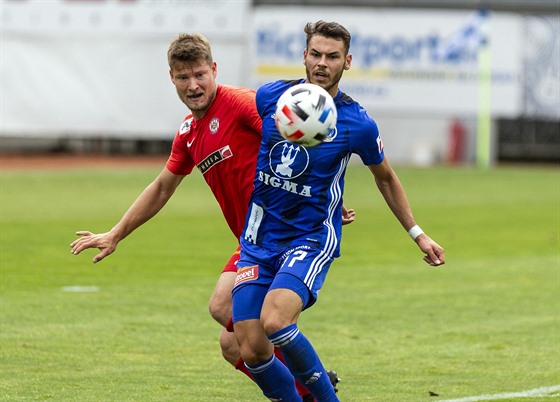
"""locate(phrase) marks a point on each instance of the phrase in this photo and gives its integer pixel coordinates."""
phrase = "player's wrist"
(414, 232)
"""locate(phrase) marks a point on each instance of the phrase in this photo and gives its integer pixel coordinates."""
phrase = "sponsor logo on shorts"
(246, 274)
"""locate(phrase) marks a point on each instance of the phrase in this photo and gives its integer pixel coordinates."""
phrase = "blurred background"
(449, 82)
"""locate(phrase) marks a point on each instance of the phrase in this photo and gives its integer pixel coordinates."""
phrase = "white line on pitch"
(80, 289)
(544, 391)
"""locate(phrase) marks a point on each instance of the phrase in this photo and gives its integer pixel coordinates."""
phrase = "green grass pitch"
(488, 322)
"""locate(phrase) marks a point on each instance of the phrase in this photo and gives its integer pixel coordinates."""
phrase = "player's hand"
(434, 253)
(104, 242)
(348, 215)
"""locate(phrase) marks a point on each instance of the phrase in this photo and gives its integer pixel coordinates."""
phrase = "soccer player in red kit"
(221, 138)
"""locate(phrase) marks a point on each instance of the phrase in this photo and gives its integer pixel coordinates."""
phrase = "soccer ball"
(305, 114)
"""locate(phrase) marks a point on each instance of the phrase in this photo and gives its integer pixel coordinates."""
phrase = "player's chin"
(197, 104)
(321, 80)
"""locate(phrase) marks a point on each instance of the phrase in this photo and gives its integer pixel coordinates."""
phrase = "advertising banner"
(98, 68)
(132, 17)
(417, 61)
(542, 67)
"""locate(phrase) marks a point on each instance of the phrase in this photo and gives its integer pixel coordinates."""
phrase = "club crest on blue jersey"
(288, 160)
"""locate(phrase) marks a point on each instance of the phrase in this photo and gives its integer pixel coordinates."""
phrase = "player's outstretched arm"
(148, 203)
(393, 192)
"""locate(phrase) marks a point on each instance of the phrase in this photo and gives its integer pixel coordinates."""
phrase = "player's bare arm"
(148, 204)
(393, 192)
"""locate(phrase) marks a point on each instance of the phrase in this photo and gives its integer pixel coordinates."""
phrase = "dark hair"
(189, 49)
(329, 30)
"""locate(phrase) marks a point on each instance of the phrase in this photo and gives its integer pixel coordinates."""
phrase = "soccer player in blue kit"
(293, 229)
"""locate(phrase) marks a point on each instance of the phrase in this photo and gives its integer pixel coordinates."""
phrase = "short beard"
(198, 108)
(334, 81)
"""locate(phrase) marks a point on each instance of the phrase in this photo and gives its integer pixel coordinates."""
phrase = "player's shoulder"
(232, 90)
(186, 125)
(235, 93)
(274, 89)
(234, 99)
(279, 84)
(343, 98)
(345, 102)
(354, 111)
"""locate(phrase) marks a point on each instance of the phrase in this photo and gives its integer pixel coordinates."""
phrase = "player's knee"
(254, 346)
(220, 301)
(229, 346)
(273, 323)
(254, 355)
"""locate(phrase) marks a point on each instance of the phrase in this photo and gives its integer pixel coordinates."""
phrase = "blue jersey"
(297, 198)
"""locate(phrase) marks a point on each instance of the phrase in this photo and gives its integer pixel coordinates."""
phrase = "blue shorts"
(302, 269)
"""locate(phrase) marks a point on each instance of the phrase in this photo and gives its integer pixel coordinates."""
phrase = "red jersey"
(223, 145)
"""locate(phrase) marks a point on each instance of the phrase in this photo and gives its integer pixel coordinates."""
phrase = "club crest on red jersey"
(214, 125)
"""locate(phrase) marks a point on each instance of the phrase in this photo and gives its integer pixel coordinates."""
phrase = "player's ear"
(348, 62)
(214, 69)
(304, 55)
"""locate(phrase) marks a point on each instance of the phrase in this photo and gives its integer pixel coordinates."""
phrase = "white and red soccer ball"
(305, 114)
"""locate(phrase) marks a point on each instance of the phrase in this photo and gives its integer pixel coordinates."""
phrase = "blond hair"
(188, 48)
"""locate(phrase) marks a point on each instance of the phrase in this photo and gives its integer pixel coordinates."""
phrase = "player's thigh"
(303, 270)
(221, 297)
(222, 290)
(249, 290)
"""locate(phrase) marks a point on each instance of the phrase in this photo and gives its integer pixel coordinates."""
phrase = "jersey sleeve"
(368, 144)
(246, 105)
(266, 98)
(179, 161)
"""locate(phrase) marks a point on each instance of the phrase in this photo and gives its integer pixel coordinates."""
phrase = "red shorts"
(231, 265)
